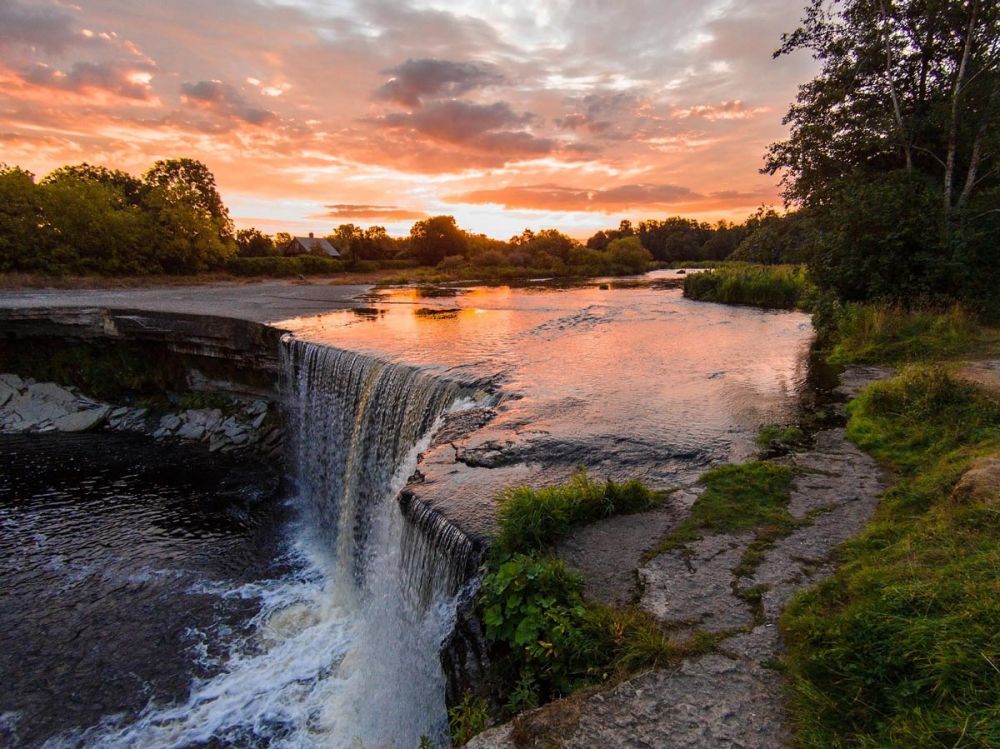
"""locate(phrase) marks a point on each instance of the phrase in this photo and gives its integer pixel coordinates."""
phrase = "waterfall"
(345, 652)
(354, 420)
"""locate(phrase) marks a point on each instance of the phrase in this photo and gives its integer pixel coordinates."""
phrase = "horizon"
(383, 115)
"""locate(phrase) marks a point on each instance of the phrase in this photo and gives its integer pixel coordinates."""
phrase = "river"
(156, 598)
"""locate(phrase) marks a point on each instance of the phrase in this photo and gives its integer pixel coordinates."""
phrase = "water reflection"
(629, 376)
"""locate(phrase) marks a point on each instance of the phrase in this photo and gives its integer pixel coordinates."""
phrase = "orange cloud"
(343, 211)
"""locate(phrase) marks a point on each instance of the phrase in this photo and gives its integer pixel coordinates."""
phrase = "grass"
(901, 647)
(782, 438)
(739, 497)
(890, 334)
(768, 286)
(530, 519)
(546, 640)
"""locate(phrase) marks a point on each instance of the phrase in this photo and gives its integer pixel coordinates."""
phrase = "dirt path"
(732, 697)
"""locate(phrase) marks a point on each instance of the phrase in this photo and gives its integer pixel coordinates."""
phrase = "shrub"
(467, 719)
(531, 519)
(452, 262)
(769, 286)
(284, 266)
(546, 640)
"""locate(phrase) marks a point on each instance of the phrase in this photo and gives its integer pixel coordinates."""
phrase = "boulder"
(51, 392)
(12, 381)
(192, 430)
(170, 422)
(35, 410)
(981, 483)
(82, 421)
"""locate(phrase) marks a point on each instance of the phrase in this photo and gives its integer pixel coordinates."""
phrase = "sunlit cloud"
(311, 113)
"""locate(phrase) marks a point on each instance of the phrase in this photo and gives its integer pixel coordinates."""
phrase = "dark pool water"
(118, 558)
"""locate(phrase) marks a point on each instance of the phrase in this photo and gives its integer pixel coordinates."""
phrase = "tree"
(90, 227)
(905, 84)
(129, 187)
(254, 243)
(905, 111)
(433, 239)
(190, 182)
(20, 219)
(629, 254)
(771, 237)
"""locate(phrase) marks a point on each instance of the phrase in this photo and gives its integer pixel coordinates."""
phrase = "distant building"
(310, 246)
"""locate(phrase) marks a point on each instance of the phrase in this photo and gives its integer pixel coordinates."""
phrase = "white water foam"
(340, 654)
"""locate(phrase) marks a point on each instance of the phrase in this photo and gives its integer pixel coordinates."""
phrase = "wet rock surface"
(27, 406)
(731, 698)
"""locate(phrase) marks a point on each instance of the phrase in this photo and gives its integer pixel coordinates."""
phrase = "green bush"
(546, 640)
(902, 646)
(284, 266)
(531, 519)
(467, 719)
(769, 286)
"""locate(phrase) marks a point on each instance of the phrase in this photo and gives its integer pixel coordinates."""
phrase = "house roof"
(323, 245)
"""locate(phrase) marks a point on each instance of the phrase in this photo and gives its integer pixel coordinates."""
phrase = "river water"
(155, 597)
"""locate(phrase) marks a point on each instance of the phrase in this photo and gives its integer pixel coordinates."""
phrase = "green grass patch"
(775, 437)
(531, 519)
(890, 334)
(546, 640)
(769, 286)
(738, 497)
(902, 646)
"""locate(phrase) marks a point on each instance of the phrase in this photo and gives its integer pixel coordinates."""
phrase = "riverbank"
(889, 518)
(374, 277)
(722, 581)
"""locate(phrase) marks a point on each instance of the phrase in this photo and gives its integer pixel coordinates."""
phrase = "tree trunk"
(897, 109)
(949, 168)
(977, 145)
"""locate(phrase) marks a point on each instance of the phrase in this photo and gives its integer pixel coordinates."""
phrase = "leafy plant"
(769, 286)
(469, 718)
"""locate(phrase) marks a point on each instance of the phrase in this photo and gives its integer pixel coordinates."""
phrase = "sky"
(571, 114)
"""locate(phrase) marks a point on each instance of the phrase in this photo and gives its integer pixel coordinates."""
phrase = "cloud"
(224, 100)
(371, 212)
(48, 27)
(561, 198)
(415, 80)
(642, 196)
(733, 109)
(120, 78)
(485, 127)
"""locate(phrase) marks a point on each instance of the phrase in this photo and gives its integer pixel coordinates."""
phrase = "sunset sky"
(569, 113)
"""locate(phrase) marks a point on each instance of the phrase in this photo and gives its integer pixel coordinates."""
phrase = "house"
(310, 246)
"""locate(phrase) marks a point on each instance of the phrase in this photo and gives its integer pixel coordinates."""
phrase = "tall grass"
(530, 519)
(902, 646)
(884, 333)
(769, 286)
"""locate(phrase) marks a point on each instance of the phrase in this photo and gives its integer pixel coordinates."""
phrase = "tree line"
(85, 219)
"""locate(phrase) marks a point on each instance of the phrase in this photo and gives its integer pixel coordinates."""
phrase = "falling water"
(345, 653)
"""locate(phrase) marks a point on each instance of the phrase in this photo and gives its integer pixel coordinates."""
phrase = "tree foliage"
(85, 219)
(434, 239)
(894, 146)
